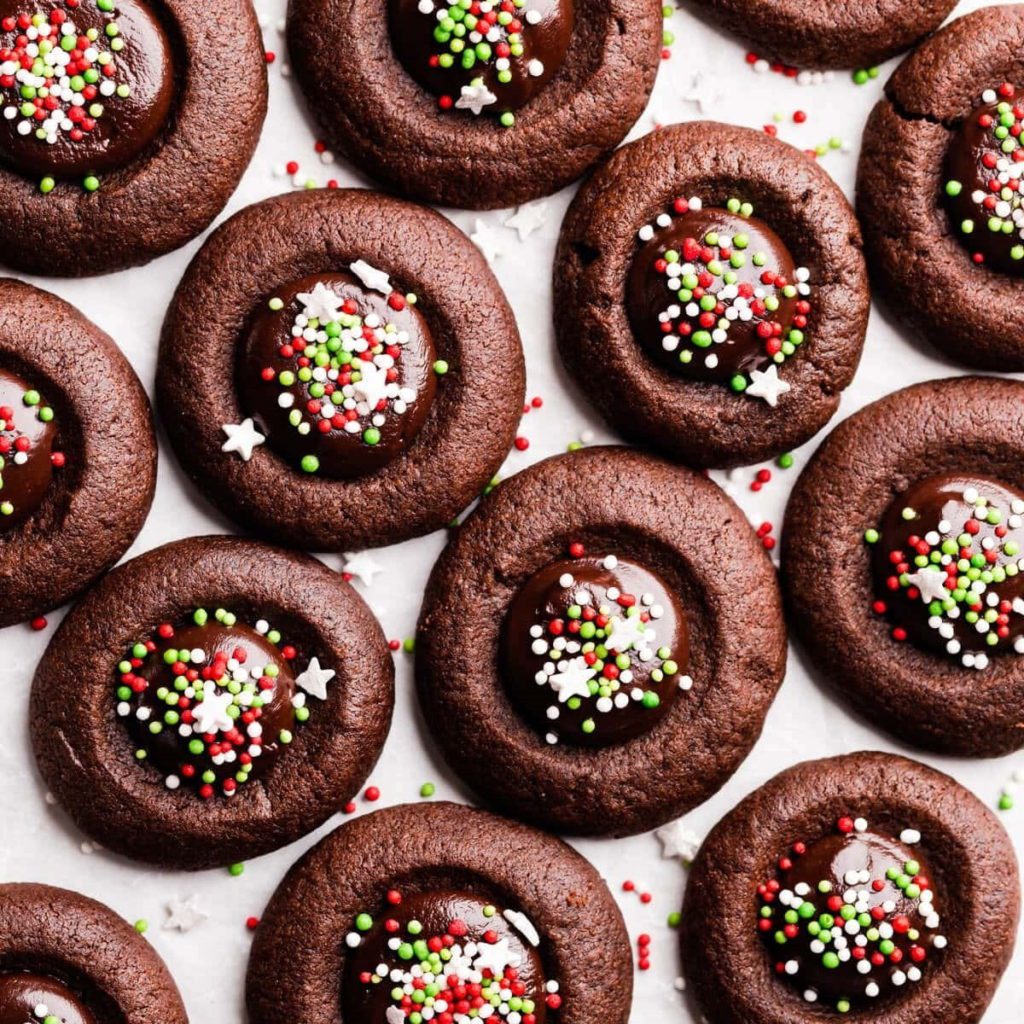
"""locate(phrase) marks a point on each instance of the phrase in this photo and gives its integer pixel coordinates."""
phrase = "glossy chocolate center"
(339, 377)
(984, 176)
(593, 650)
(27, 998)
(446, 952)
(85, 87)
(212, 705)
(712, 296)
(502, 51)
(27, 433)
(948, 567)
(851, 920)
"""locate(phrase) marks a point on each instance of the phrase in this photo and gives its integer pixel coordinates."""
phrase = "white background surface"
(38, 843)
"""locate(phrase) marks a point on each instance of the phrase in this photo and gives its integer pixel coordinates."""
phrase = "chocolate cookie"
(841, 35)
(903, 563)
(475, 104)
(939, 189)
(710, 294)
(211, 700)
(355, 379)
(503, 917)
(66, 959)
(115, 143)
(868, 885)
(77, 452)
(601, 615)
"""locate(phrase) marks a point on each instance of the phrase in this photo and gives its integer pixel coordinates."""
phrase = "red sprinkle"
(38, 623)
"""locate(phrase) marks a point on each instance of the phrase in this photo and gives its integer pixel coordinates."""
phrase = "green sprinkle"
(142, 926)
(440, 367)
(427, 790)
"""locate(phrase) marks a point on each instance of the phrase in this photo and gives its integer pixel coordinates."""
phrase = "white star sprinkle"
(475, 97)
(315, 679)
(931, 584)
(394, 1015)
(572, 680)
(362, 566)
(767, 385)
(485, 238)
(626, 631)
(678, 841)
(322, 303)
(184, 915)
(528, 219)
(703, 92)
(372, 385)
(211, 714)
(371, 277)
(495, 957)
(242, 438)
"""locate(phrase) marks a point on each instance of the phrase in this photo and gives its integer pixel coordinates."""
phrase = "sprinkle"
(243, 438)
(527, 219)
(486, 239)
(371, 277)
(184, 915)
